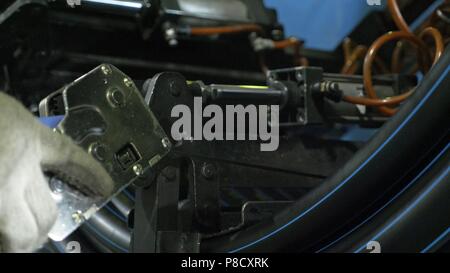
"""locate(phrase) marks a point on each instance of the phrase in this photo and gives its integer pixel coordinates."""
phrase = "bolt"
(299, 76)
(56, 185)
(208, 170)
(301, 117)
(127, 82)
(165, 142)
(137, 169)
(171, 32)
(116, 97)
(106, 69)
(98, 150)
(171, 36)
(78, 217)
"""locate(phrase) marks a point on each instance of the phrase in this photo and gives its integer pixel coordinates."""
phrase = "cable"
(296, 45)
(290, 42)
(208, 31)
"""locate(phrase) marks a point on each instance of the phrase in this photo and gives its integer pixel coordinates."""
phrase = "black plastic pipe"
(421, 122)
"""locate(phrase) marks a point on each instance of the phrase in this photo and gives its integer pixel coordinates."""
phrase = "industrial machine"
(361, 134)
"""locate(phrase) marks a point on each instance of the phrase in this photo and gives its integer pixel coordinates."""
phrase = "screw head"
(137, 169)
(56, 185)
(128, 82)
(299, 76)
(78, 217)
(208, 170)
(165, 142)
(98, 150)
(106, 69)
(301, 117)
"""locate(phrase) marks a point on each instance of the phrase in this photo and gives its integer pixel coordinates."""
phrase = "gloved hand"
(27, 149)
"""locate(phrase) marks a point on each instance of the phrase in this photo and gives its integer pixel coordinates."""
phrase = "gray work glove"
(27, 149)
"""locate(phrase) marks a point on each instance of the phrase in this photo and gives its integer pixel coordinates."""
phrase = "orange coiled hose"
(368, 83)
(404, 34)
(244, 28)
(352, 62)
(290, 42)
(351, 65)
(208, 31)
(438, 40)
(397, 16)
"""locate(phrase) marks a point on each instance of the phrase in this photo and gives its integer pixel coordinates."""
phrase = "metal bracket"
(14, 7)
(105, 114)
(157, 227)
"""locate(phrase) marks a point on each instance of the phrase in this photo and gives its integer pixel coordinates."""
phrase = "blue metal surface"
(323, 24)
(426, 14)
(347, 133)
(51, 122)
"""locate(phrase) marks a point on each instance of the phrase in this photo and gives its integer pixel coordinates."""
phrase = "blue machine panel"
(323, 24)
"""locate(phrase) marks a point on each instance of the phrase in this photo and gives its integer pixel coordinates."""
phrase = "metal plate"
(106, 115)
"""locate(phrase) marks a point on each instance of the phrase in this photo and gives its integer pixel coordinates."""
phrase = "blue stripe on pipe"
(377, 151)
(409, 208)
(436, 241)
(393, 199)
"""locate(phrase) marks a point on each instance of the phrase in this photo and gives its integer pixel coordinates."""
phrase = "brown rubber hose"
(290, 42)
(438, 40)
(400, 22)
(404, 34)
(208, 31)
(368, 83)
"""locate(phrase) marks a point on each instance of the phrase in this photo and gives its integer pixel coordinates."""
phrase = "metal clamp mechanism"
(106, 115)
